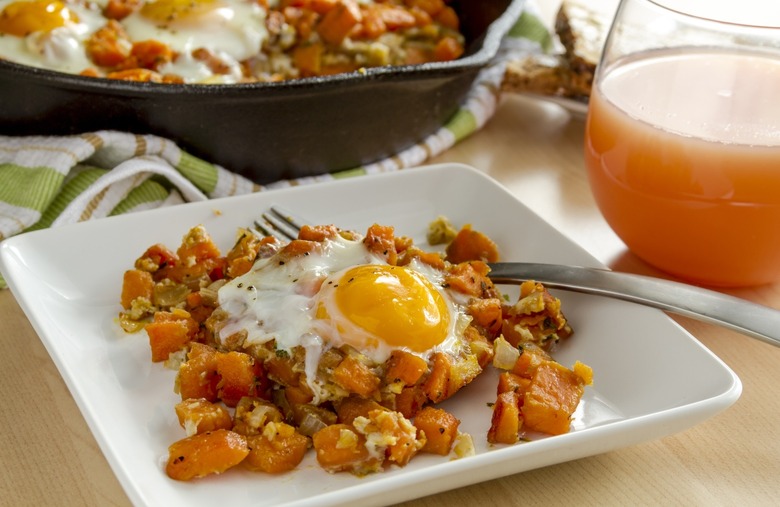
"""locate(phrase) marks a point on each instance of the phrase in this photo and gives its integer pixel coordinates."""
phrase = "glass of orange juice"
(682, 140)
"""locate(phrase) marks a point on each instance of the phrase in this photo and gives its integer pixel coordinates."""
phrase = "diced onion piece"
(505, 354)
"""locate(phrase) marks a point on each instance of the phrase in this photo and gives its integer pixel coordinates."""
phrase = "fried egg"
(48, 33)
(233, 30)
(343, 294)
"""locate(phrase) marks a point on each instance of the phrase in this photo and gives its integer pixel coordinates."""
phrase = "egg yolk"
(23, 18)
(166, 11)
(396, 305)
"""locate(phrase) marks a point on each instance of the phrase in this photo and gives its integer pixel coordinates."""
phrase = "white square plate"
(651, 377)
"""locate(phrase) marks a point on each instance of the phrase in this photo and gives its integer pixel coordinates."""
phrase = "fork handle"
(748, 318)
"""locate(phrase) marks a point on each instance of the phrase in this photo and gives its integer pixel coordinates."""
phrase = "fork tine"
(267, 229)
(281, 226)
(295, 222)
(279, 223)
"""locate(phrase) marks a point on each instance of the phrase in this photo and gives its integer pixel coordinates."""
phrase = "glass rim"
(735, 17)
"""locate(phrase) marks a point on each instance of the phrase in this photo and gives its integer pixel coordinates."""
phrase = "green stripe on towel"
(202, 174)
(72, 188)
(147, 192)
(29, 187)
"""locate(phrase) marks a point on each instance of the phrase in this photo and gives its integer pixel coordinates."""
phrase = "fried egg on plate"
(344, 295)
(233, 30)
(48, 33)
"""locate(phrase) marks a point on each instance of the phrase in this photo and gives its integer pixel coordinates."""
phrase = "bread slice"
(544, 75)
(581, 27)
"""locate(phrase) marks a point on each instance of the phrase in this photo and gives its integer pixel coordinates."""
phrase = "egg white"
(278, 300)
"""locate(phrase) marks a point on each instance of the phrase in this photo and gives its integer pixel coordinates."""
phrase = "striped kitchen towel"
(56, 180)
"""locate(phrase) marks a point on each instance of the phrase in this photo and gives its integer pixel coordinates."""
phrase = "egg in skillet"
(231, 30)
(54, 34)
(48, 33)
(344, 295)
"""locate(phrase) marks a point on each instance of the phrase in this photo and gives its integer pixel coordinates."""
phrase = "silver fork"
(706, 305)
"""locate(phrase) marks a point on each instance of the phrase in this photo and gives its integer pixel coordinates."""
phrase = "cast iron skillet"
(267, 131)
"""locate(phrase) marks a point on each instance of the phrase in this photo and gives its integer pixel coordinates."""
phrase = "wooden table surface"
(49, 457)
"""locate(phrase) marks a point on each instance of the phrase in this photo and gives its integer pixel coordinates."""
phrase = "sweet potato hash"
(343, 342)
(225, 41)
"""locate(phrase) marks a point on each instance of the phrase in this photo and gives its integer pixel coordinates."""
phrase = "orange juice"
(683, 156)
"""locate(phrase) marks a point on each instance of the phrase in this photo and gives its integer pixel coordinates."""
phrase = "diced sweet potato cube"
(137, 75)
(395, 17)
(462, 372)
(198, 256)
(340, 448)
(487, 313)
(552, 398)
(356, 406)
(322, 6)
(511, 382)
(469, 278)
(280, 369)
(119, 9)
(356, 377)
(240, 375)
(109, 45)
(531, 357)
(199, 415)
(299, 247)
(440, 428)
(380, 239)
(199, 307)
(308, 58)
(170, 332)
(156, 257)
(432, 7)
(410, 400)
(433, 259)
(480, 346)
(151, 54)
(436, 386)
(207, 453)
(318, 233)
(278, 449)
(198, 376)
(338, 21)
(447, 49)
(448, 18)
(135, 284)
(242, 256)
(405, 367)
(471, 245)
(403, 243)
(298, 395)
(507, 420)
(197, 245)
(372, 26)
